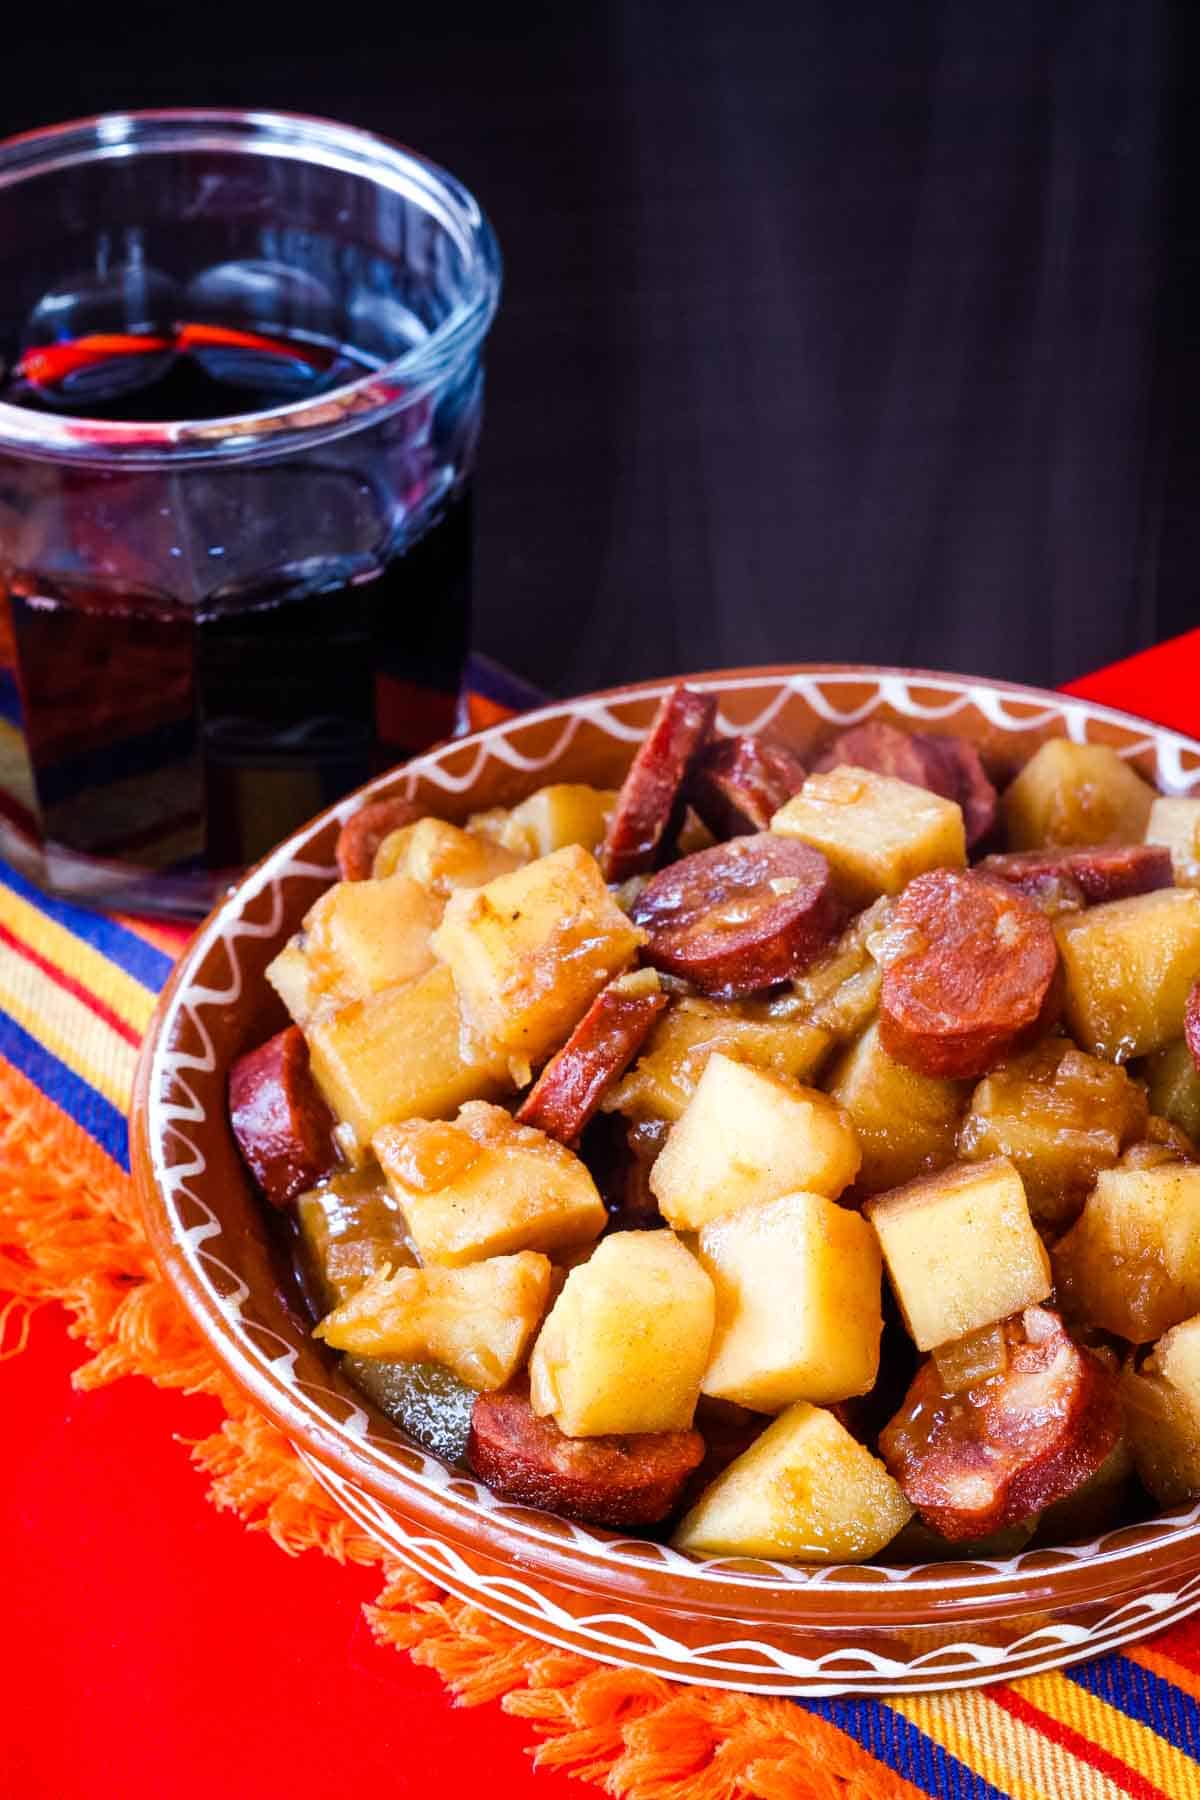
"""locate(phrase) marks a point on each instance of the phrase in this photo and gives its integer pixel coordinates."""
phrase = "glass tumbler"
(240, 396)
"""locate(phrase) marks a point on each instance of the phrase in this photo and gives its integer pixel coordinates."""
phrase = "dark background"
(831, 330)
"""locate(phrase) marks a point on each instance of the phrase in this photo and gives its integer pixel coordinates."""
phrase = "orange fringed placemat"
(76, 992)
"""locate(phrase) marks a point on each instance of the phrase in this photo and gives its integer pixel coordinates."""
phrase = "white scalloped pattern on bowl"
(185, 1080)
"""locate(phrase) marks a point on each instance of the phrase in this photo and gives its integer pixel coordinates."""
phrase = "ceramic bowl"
(771, 1627)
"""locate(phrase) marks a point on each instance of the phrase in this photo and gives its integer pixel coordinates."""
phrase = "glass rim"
(277, 430)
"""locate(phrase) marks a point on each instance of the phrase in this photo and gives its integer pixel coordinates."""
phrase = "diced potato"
(443, 857)
(530, 951)
(877, 832)
(1174, 1086)
(799, 1316)
(1060, 1117)
(748, 1136)
(1131, 1264)
(1075, 794)
(296, 981)
(805, 1491)
(351, 1228)
(627, 1340)
(906, 1123)
(486, 1186)
(567, 812)
(1129, 966)
(1162, 1415)
(961, 1250)
(400, 1054)
(1175, 822)
(479, 1321)
(661, 1084)
(365, 935)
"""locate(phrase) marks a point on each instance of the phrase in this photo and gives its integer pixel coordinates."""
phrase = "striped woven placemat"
(76, 992)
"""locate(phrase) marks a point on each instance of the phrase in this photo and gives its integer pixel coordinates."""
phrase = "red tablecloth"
(153, 1647)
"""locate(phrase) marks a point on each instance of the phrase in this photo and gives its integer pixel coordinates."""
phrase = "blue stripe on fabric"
(98, 1117)
(891, 1739)
(10, 698)
(1144, 1696)
(143, 961)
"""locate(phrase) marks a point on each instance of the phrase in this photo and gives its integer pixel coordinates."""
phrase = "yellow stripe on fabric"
(1008, 1754)
(119, 990)
(1136, 1744)
(67, 1028)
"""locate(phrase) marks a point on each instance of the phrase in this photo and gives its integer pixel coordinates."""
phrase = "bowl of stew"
(707, 1172)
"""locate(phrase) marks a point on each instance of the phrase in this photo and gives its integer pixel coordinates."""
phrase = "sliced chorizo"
(651, 795)
(955, 770)
(1191, 1023)
(1100, 872)
(282, 1125)
(969, 977)
(949, 766)
(621, 1482)
(364, 831)
(980, 1460)
(570, 1088)
(740, 917)
(738, 785)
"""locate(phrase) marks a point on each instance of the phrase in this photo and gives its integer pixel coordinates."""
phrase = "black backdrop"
(831, 330)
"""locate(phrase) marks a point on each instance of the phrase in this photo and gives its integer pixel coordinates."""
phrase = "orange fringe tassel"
(70, 1231)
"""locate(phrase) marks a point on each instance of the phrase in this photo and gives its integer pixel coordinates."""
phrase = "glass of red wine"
(240, 397)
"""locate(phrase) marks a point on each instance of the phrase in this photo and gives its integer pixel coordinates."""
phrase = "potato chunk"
(906, 1123)
(1060, 1117)
(485, 1186)
(365, 935)
(442, 857)
(478, 1321)
(400, 1054)
(296, 982)
(805, 1491)
(875, 831)
(797, 1282)
(1162, 1415)
(1131, 1264)
(567, 812)
(1075, 794)
(1129, 966)
(1175, 822)
(748, 1136)
(961, 1250)
(627, 1339)
(662, 1082)
(1174, 1086)
(530, 951)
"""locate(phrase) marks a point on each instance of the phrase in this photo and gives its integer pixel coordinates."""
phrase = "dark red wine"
(194, 662)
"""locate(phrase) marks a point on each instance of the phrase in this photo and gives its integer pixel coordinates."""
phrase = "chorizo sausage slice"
(621, 1482)
(986, 1458)
(1100, 872)
(651, 794)
(364, 831)
(741, 916)
(282, 1125)
(955, 770)
(738, 785)
(969, 976)
(570, 1088)
(949, 766)
(1191, 1023)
